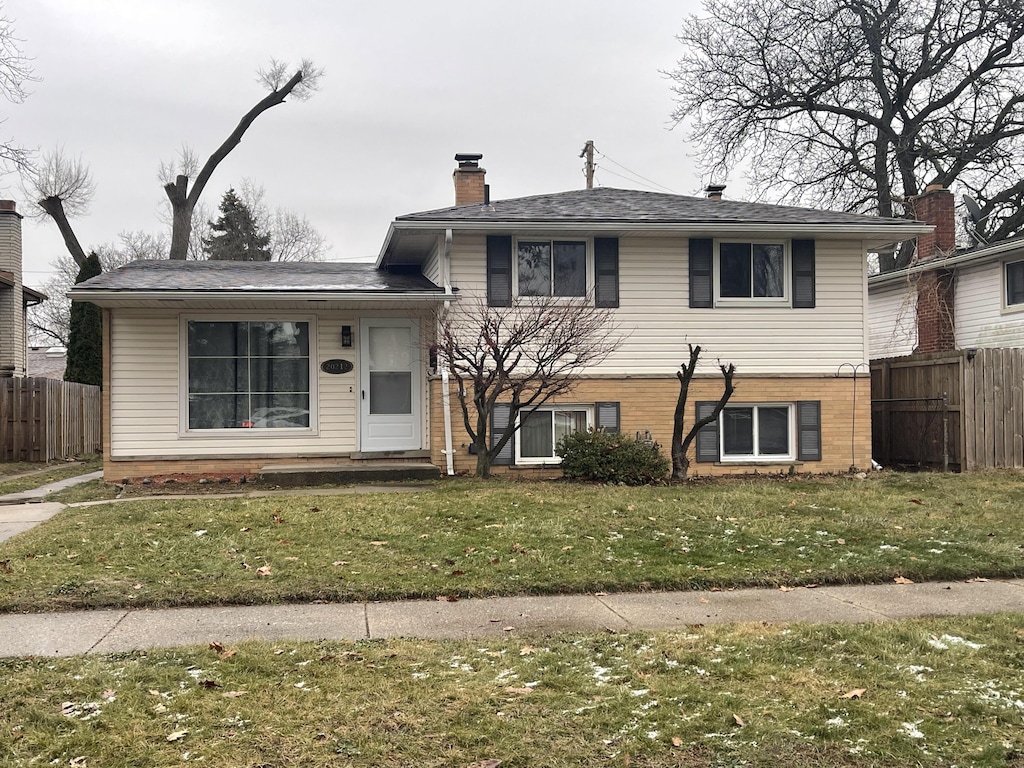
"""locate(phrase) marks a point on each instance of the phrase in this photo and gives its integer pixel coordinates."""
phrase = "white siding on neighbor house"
(981, 320)
(657, 322)
(432, 268)
(145, 392)
(892, 319)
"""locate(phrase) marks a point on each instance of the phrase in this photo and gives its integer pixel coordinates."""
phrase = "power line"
(650, 182)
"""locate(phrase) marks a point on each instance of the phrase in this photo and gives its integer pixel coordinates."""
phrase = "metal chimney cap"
(468, 159)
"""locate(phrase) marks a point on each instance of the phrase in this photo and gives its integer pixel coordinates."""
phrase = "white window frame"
(771, 458)
(247, 434)
(1007, 306)
(588, 243)
(785, 300)
(554, 458)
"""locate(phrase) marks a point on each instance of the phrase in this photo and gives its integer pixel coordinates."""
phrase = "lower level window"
(540, 431)
(248, 375)
(757, 432)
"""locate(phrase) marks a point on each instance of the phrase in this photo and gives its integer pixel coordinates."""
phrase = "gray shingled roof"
(220, 276)
(605, 204)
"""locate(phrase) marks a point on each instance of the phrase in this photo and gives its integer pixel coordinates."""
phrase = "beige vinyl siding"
(432, 268)
(145, 392)
(892, 319)
(981, 320)
(657, 323)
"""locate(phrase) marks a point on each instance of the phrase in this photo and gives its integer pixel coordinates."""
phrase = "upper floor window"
(751, 270)
(1015, 283)
(552, 267)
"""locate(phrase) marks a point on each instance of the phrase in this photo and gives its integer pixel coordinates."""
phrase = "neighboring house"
(948, 298)
(220, 366)
(47, 362)
(15, 297)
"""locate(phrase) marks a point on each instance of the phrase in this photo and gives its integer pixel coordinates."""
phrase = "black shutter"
(500, 414)
(499, 270)
(808, 426)
(702, 257)
(803, 274)
(607, 416)
(707, 438)
(606, 271)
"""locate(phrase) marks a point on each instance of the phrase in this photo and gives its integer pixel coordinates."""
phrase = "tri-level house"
(221, 367)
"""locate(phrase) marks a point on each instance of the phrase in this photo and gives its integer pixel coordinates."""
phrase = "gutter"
(112, 296)
(991, 252)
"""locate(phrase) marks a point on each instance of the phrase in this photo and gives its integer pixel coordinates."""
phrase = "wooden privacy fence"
(983, 409)
(47, 419)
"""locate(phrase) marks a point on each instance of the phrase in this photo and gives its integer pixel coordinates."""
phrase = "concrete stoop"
(345, 474)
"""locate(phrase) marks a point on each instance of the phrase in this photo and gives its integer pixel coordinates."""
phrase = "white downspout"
(446, 401)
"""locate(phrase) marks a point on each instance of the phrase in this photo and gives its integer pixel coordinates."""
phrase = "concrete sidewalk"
(110, 631)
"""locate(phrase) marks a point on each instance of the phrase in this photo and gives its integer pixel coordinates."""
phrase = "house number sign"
(336, 366)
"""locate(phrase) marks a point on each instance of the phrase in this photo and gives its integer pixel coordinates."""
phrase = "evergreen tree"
(236, 236)
(85, 342)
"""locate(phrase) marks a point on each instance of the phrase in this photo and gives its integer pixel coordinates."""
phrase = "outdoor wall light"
(346, 335)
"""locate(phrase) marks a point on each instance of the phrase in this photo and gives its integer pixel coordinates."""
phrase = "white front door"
(390, 379)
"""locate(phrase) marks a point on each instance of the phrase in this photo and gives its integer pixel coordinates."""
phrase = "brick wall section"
(935, 288)
(469, 185)
(214, 467)
(935, 331)
(648, 403)
(13, 339)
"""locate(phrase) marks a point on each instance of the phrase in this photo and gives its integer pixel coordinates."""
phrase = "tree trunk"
(55, 210)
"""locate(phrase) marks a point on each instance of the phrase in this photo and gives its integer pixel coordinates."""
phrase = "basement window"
(752, 432)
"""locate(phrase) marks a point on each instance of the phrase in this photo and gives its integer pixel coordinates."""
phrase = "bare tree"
(522, 356)
(292, 237)
(63, 185)
(183, 199)
(680, 444)
(15, 73)
(859, 104)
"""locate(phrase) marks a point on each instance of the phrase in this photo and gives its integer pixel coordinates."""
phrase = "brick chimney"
(470, 188)
(13, 334)
(936, 330)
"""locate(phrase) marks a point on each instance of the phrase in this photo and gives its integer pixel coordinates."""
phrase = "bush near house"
(611, 457)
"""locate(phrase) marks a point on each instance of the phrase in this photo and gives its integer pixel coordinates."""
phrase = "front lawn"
(915, 693)
(468, 538)
(19, 476)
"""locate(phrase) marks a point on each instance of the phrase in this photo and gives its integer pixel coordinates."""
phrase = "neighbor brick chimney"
(714, 191)
(935, 287)
(469, 177)
(13, 339)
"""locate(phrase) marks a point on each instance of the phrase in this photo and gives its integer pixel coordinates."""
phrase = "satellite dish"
(973, 209)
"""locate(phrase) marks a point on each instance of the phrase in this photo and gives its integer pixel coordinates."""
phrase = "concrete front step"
(343, 474)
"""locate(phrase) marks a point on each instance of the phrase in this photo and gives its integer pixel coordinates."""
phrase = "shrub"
(611, 457)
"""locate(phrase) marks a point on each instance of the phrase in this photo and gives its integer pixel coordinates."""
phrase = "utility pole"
(588, 153)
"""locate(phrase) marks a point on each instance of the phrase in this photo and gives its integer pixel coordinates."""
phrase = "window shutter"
(707, 438)
(606, 271)
(702, 255)
(808, 425)
(803, 274)
(500, 414)
(607, 416)
(499, 270)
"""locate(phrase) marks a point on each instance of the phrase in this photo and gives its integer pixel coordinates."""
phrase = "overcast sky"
(124, 83)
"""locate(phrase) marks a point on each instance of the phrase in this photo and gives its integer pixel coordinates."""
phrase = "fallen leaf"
(228, 653)
(976, 580)
(902, 580)
(263, 570)
(377, 543)
(521, 691)
(337, 563)
(600, 594)
(5, 566)
(856, 693)
(232, 694)
(215, 646)
(486, 764)
(290, 559)
(154, 692)
(507, 629)
(245, 530)
(704, 600)
(76, 762)
(177, 735)
(109, 693)
(470, 550)
(916, 501)
(840, 541)
(567, 548)
(314, 509)
(284, 543)
(526, 650)
(210, 684)
(738, 720)
(676, 741)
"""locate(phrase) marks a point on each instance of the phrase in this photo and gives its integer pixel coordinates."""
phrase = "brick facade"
(648, 403)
